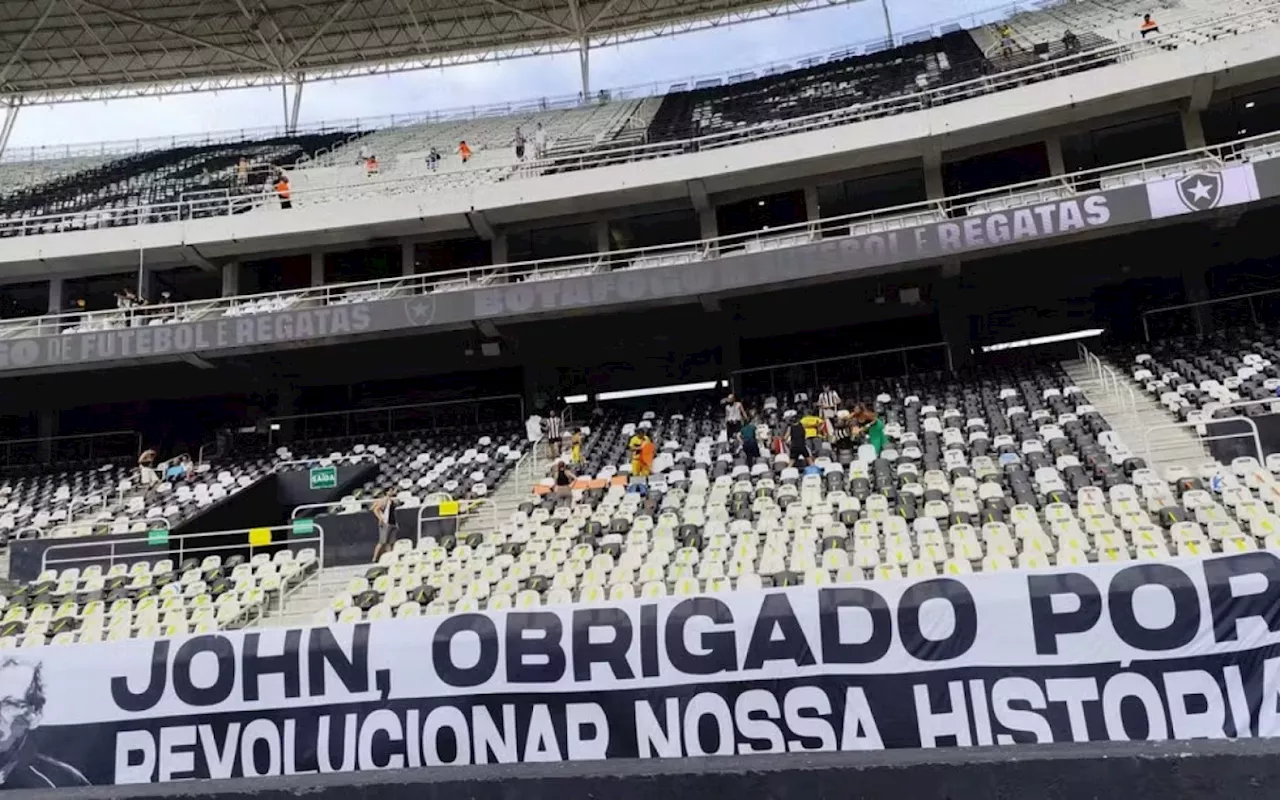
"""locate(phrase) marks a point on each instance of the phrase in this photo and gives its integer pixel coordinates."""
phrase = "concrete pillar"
(603, 243)
(1195, 287)
(286, 405)
(1192, 129)
(499, 248)
(46, 429)
(812, 209)
(408, 258)
(953, 316)
(1053, 146)
(146, 284)
(55, 296)
(231, 279)
(317, 268)
(933, 186)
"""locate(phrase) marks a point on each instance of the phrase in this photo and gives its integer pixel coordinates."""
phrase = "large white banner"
(1204, 190)
(1184, 649)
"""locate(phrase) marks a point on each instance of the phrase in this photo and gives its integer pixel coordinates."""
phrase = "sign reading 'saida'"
(731, 269)
(1184, 649)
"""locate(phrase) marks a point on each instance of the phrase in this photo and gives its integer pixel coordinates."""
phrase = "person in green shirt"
(874, 430)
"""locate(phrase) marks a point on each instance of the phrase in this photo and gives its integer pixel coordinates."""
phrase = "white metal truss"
(73, 50)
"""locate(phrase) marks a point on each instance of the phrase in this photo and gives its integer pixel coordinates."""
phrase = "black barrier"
(266, 503)
(1198, 770)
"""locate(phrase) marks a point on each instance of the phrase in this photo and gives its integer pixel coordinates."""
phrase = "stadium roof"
(67, 50)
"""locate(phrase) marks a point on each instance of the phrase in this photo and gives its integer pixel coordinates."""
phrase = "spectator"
(828, 403)
(146, 469)
(750, 439)
(733, 414)
(242, 172)
(464, 151)
(1070, 42)
(371, 166)
(519, 143)
(539, 142)
(648, 450)
(1148, 26)
(796, 441)
(575, 445)
(564, 478)
(433, 158)
(555, 430)
(874, 430)
(1006, 39)
(384, 511)
(815, 429)
(282, 190)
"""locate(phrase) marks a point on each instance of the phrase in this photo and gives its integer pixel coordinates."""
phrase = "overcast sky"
(660, 61)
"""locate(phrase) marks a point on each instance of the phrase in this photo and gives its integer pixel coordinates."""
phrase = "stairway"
(1132, 415)
(302, 605)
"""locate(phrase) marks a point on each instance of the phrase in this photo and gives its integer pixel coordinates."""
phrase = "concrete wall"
(1243, 770)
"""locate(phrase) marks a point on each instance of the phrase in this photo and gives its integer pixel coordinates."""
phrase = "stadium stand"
(688, 112)
(198, 181)
(115, 189)
(1011, 469)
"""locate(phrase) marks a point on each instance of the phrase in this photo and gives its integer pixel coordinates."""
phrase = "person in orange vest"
(371, 166)
(282, 190)
(464, 151)
(1148, 26)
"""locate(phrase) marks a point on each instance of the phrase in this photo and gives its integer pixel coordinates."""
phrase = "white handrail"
(1068, 64)
(922, 212)
(1202, 438)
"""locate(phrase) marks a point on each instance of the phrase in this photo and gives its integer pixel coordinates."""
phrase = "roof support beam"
(10, 117)
(584, 63)
(186, 37)
(520, 12)
(321, 31)
(604, 9)
(26, 40)
(291, 112)
(258, 21)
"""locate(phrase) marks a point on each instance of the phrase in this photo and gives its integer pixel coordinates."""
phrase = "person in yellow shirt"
(575, 452)
(633, 446)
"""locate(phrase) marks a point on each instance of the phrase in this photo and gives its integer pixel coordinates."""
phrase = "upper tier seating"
(111, 189)
(817, 88)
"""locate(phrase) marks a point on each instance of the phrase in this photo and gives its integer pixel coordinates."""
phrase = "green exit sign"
(158, 536)
(324, 477)
(303, 526)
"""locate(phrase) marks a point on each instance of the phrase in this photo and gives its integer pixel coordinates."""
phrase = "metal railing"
(1247, 297)
(323, 461)
(1118, 390)
(838, 370)
(1199, 430)
(299, 511)
(1254, 19)
(467, 511)
(80, 446)
(857, 224)
(497, 109)
(394, 417)
(177, 548)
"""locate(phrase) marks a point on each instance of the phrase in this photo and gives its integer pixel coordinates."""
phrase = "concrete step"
(1139, 421)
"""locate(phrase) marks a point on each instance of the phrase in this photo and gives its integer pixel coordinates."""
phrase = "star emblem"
(1200, 191)
(420, 310)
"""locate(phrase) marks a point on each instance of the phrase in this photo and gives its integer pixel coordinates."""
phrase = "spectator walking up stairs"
(1133, 413)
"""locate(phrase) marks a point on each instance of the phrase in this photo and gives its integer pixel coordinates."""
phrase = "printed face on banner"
(1144, 651)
